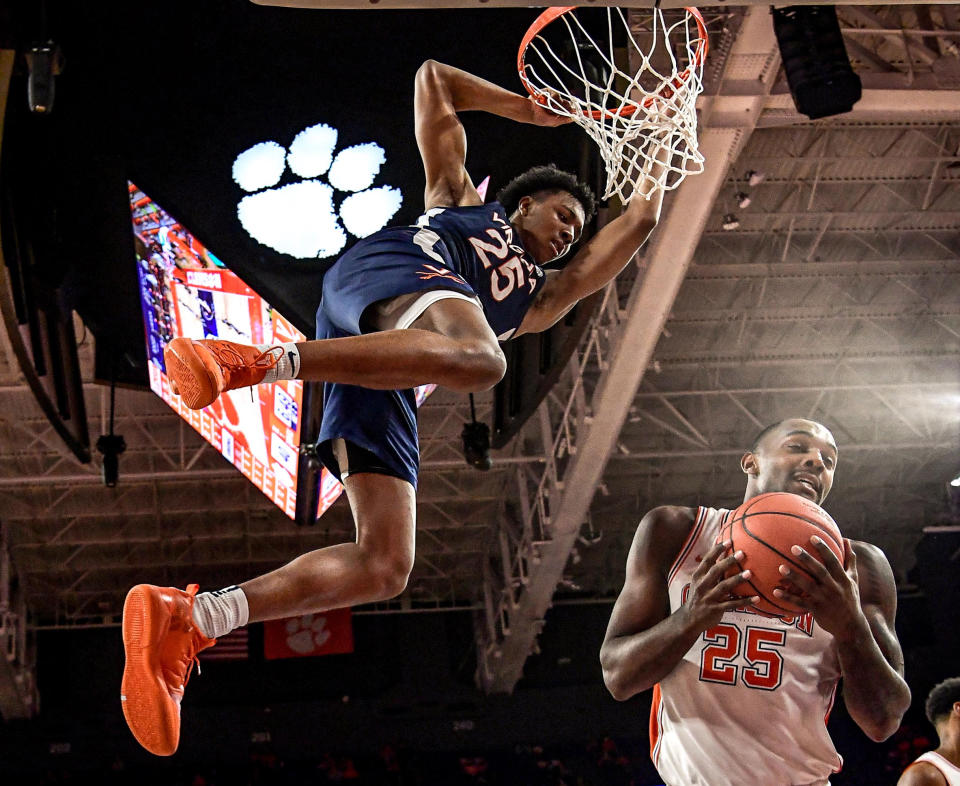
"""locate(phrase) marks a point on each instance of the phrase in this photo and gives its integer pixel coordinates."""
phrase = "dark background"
(409, 684)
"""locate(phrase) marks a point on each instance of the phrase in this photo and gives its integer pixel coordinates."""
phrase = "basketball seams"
(816, 524)
(766, 544)
(772, 496)
(728, 524)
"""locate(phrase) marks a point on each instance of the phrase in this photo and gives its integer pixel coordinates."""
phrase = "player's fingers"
(851, 561)
(722, 567)
(791, 597)
(739, 603)
(798, 579)
(810, 563)
(726, 586)
(710, 558)
(829, 559)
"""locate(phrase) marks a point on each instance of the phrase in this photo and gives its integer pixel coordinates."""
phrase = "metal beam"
(884, 268)
(826, 311)
(887, 355)
(912, 387)
(18, 689)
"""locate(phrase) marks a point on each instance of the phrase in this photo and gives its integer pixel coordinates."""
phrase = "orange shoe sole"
(189, 377)
(152, 715)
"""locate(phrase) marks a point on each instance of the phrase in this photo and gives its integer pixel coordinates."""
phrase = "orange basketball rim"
(555, 12)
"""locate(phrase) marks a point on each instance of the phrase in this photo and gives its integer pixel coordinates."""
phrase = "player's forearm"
(632, 664)
(874, 692)
(606, 255)
(468, 92)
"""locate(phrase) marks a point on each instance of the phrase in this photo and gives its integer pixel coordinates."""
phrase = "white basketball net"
(645, 123)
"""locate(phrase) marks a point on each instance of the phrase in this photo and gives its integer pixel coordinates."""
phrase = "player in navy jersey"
(405, 307)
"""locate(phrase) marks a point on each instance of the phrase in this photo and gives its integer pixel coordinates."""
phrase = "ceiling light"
(754, 178)
(743, 200)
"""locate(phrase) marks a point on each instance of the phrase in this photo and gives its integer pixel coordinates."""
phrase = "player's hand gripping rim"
(542, 113)
(829, 591)
(710, 592)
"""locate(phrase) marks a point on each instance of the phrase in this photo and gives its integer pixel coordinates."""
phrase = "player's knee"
(482, 366)
(388, 575)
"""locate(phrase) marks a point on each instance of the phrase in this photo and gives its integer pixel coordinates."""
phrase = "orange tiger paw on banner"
(327, 633)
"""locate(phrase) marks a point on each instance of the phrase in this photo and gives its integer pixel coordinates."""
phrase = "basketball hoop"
(643, 115)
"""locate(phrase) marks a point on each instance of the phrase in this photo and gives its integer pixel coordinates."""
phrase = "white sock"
(217, 613)
(288, 366)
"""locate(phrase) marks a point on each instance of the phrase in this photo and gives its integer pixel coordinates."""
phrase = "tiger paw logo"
(307, 634)
(332, 193)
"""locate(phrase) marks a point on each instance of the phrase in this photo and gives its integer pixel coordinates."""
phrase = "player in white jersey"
(940, 767)
(740, 698)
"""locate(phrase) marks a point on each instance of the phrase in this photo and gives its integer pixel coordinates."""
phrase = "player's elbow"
(615, 688)
(476, 366)
(613, 677)
(881, 732)
(882, 725)
(429, 75)
(618, 687)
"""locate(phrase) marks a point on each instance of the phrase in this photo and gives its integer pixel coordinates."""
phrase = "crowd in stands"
(600, 762)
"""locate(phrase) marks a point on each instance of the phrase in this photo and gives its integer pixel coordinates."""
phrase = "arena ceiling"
(836, 296)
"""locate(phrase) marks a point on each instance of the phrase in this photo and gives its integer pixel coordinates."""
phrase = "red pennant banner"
(329, 633)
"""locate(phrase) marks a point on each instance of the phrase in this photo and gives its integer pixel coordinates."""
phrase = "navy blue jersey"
(471, 250)
(479, 244)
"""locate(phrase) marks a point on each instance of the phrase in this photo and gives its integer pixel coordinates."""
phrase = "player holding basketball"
(940, 767)
(740, 698)
(407, 306)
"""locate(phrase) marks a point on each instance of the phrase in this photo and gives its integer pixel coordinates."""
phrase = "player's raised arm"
(599, 261)
(644, 641)
(441, 91)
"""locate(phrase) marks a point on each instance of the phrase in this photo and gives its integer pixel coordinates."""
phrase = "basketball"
(765, 528)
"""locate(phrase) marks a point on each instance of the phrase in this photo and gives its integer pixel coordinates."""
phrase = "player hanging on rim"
(740, 698)
(404, 307)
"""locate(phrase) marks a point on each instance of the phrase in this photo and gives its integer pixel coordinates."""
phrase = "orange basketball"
(765, 528)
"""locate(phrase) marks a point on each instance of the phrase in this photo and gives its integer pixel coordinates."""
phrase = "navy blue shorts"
(383, 422)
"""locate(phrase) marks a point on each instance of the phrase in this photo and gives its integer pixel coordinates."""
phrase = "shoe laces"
(231, 358)
(192, 659)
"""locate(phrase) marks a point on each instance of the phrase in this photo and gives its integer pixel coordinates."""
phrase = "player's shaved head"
(796, 425)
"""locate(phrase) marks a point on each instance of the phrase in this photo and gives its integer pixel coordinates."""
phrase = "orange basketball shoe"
(161, 643)
(199, 371)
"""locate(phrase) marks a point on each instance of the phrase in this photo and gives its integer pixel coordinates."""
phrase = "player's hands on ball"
(829, 592)
(710, 592)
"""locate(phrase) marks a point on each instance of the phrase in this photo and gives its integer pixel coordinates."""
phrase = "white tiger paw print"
(307, 634)
(300, 219)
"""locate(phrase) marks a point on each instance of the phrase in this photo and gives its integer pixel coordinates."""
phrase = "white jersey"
(749, 702)
(950, 772)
